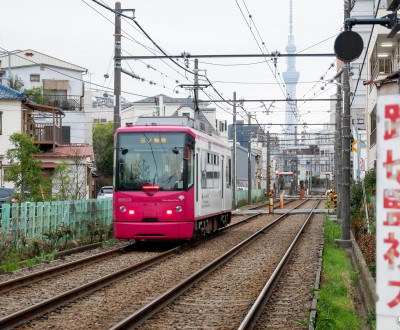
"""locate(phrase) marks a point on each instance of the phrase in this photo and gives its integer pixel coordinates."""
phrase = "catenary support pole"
(117, 66)
(346, 132)
(249, 164)
(234, 170)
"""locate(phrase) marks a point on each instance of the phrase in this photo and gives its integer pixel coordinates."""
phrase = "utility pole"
(117, 66)
(345, 200)
(234, 153)
(338, 144)
(268, 164)
(196, 90)
(295, 176)
(249, 164)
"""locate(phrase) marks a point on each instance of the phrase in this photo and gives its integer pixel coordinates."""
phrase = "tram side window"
(203, 161)
(210, 171)
(228, 173)
(190, 166)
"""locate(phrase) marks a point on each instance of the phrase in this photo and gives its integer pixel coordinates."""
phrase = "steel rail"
(50, 272)
(20, 317)
(58, 270)
(147, 311)
(250, 320)
(255, 215)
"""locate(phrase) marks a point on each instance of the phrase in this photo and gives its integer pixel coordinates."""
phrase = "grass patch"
(335, 307)
(107, 243)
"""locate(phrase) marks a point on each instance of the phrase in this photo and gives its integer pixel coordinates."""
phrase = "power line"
(272, 100)
(187, 55)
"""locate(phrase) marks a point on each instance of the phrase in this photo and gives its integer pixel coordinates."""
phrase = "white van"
(105, 192)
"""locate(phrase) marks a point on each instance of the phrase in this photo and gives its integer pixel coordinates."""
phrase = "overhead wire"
(69, 76)
(126, 34)
(157, 46)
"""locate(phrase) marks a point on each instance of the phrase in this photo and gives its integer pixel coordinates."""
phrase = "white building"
(19, 115)
(165, 106)
(61, 84)
(382, 61)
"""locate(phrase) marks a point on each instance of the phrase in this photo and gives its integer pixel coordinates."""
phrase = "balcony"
(43, 123)
(382, 66)
(65, 102)
(45, 133)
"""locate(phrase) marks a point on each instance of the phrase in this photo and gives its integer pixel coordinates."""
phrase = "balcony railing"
(65, 102)
(45, 133)
(382, 66)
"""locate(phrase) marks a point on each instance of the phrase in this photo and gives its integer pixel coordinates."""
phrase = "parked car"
(105, 192)
(7, 195)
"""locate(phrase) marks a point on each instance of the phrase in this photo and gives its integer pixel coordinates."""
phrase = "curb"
(313, 308)
(365, 282)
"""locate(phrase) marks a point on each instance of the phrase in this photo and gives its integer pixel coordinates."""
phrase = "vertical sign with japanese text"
(388, 212)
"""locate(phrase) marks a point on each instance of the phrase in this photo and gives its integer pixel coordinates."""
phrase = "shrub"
(97, 231)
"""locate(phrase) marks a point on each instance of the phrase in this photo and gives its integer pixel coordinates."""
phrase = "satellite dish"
(348, 46)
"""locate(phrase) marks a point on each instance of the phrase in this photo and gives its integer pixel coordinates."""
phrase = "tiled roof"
(9, 93)
(68, 151)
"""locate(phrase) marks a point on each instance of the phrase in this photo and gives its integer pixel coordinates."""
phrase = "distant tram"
(284, 179)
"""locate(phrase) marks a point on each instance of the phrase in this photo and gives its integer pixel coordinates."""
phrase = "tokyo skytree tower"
(291, 77)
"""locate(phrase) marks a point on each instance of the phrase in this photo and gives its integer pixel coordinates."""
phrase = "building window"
(66, 134)
(357, 121)
(372, 118)
(100, 121)
(35, 77)
(1, 123)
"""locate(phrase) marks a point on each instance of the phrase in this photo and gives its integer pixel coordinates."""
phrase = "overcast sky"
(81, 32)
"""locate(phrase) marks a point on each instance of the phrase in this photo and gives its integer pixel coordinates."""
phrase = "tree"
(25, 170)
(16, 83)
(103, 147)
(35, 94)
(62, 182)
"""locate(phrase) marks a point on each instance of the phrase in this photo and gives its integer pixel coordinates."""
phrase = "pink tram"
(171, 181)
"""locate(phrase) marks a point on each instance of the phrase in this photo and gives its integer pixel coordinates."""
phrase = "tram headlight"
(122, 208)
(178, 209)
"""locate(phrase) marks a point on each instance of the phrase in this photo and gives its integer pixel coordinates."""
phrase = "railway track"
(232, 290)
(148, 272)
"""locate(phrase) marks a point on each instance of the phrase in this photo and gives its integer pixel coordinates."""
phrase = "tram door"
(223, 199)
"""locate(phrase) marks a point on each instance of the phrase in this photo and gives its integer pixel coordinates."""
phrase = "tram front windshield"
(145, 158)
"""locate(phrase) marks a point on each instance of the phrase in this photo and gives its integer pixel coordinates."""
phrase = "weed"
(303, 322)
(106, 243)
(335, 307)
(37, 247)
(54, 237)
(326, 324)
(11, 264)
(31, 262)
(371, 318)
(46, 258)
(97, 230)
